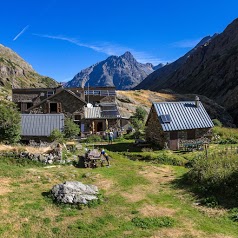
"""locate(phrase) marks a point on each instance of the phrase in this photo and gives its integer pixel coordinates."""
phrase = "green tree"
(138, 121)
(71, 130)
(10, 123)
(140, 114)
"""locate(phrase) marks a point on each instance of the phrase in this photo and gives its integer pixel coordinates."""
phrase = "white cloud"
(21, 32)
(190, 43)
(109, 49)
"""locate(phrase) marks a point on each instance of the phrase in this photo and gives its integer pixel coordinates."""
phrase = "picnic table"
(93, 159)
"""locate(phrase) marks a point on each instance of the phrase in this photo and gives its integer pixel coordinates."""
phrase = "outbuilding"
(170, 124)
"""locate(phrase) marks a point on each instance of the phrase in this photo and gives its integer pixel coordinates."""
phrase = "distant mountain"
(161, 73)
(211, 70)
(16, 72)
(123, 72)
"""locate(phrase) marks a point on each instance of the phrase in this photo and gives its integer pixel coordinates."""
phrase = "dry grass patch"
(212, 212)
(136, 194)
(156, 211)
(29, 149)
(158, 174)
(5, 186)
(102, 183)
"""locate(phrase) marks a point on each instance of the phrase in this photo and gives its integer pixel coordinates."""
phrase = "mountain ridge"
(16, 72)
(211, 70)
(124, 72)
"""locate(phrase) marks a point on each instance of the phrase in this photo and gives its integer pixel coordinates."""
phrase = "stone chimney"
(197, 100)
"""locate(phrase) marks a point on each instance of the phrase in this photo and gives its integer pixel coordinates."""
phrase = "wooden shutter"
(59, 107)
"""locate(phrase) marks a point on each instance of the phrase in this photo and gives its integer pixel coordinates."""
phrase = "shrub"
(9, 123)
(233, 214)
(215, 176)
(93, 138)
(56, 135)
(216, 122)
(210, 202)
(71, 130)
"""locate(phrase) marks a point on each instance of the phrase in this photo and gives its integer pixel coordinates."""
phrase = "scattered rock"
(74, 192)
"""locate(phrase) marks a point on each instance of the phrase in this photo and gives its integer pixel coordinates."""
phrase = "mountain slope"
(161, 74)
(211, 70)
(16, 72)
(123, 72)
(127, 102)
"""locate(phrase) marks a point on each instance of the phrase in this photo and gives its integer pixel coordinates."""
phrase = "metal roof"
(100, 113)
(184, 115)
(94, 112)
(41, 124)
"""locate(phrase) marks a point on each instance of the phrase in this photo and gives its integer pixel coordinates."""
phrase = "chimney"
(197, 100)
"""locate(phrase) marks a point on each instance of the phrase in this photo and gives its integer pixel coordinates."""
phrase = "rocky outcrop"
(74, 192)
(123, 72)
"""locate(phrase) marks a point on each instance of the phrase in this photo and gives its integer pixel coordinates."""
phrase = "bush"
(71, 130)
(216, 122)
(56, 135)
(215, 176)
(10, 121)
(210, 202)
(93, 138)
(233, 214)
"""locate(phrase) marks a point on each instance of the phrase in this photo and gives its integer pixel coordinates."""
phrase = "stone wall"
(69, 104)
(153, 131)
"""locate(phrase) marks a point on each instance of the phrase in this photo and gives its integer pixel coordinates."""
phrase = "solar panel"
(166, 118)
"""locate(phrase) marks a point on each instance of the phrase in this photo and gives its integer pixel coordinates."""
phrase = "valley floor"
(130, 189)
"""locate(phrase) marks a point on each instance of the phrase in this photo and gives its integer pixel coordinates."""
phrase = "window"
(50, 93)
(77, 117)
(54, 107)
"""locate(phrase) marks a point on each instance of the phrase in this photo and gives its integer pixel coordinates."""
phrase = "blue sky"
(61, 37)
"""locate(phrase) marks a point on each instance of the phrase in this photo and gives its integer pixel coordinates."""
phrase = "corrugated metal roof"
(90, 113)
(41, 124)
(184, 115)
(101, 112)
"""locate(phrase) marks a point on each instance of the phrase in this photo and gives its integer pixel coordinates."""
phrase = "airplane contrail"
(22, 31)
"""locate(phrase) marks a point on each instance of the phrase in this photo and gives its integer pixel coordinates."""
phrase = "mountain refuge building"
(93, 109)
(170, 124)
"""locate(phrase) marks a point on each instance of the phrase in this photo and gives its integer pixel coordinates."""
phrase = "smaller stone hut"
(169, 123)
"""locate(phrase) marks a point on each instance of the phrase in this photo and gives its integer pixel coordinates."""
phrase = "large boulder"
(74, 192)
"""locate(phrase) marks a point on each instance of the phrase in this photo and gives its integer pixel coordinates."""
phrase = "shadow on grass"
(122, 147)
(79, 163)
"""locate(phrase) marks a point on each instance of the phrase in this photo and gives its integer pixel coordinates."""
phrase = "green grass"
(140, 199)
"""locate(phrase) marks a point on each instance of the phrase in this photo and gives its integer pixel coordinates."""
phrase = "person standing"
(110, 137)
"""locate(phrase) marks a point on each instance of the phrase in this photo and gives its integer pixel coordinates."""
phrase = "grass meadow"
(141, 198)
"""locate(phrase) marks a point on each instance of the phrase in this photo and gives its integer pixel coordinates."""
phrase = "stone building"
(93, 109)
(170, 123)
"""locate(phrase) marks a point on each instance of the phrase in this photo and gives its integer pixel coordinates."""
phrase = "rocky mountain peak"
(123, 72)
(128, 56)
